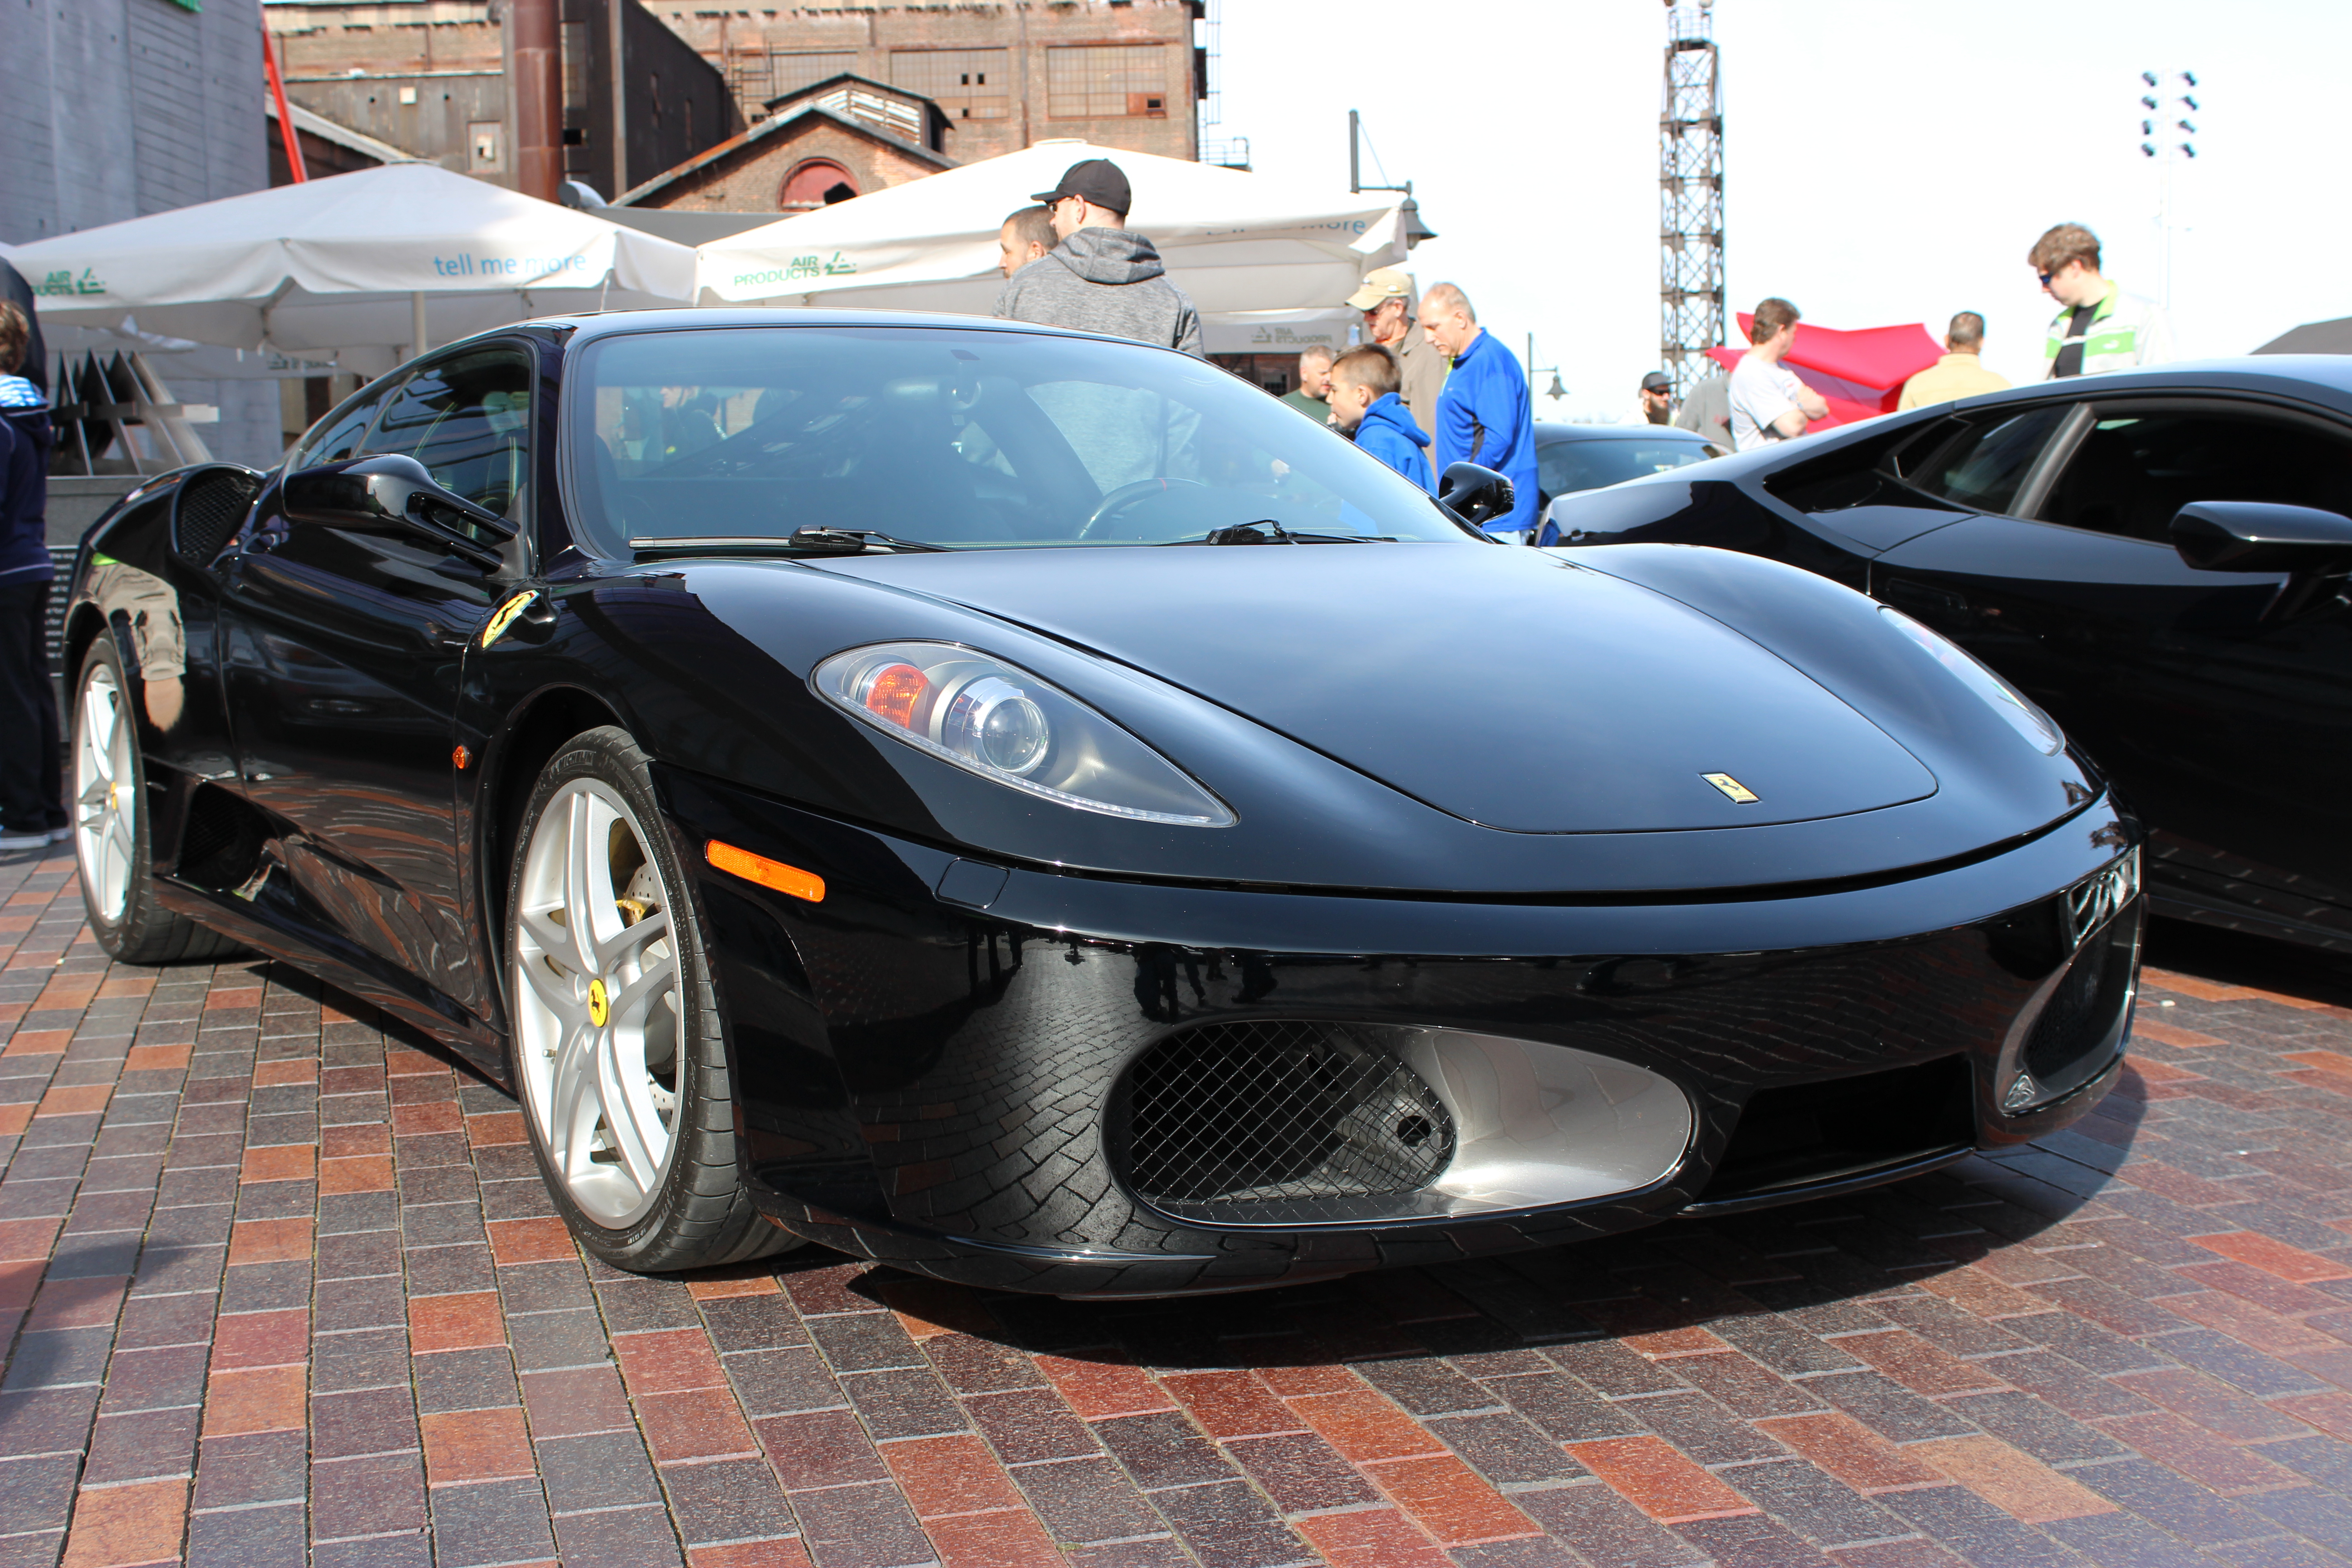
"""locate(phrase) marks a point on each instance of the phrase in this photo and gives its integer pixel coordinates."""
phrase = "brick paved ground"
(274, 1283)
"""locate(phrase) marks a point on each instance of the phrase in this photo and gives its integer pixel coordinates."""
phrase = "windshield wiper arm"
(1250, 533)
(833, 541)
(857, 538)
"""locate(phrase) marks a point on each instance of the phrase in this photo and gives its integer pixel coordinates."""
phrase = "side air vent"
(1224, 1120)
(206, 513)
(221, 843)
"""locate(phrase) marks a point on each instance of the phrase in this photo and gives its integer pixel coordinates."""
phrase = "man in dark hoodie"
(1101, 278)
(1365, 381)
(32, 807)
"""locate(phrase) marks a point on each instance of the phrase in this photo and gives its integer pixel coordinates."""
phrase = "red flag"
(1859, 373)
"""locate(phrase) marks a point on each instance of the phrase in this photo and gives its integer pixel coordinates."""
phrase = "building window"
(967, 84)
(816, 182)
(789, 73)
(576, 68)
(1106, 81)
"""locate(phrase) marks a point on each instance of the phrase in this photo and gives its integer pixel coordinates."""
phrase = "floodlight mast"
(1691, 312)
(2167, 144)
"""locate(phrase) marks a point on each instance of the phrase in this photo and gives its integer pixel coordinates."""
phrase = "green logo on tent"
(66, 283)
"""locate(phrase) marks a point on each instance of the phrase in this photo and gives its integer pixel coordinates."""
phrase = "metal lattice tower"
(1690, 198)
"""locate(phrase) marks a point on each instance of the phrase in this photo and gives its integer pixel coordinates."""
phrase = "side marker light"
(768, 873)
(461, 757)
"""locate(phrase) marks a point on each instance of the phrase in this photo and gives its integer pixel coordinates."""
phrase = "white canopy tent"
(360, 270)
(1247, 247)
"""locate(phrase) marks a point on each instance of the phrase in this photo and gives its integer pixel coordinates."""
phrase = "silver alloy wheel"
(106, 794)
(596, 1001)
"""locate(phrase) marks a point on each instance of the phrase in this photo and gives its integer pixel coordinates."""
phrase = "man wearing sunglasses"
(2100, 327)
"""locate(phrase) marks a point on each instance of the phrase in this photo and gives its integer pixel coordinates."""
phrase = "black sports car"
(2156, 557)
(1572, 457)
(844, 775)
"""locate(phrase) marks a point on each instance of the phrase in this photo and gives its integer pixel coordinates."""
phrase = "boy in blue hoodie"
(1364, 404)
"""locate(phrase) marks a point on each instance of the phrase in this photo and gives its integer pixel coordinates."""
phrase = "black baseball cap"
(1098, 180)
(1658, 381)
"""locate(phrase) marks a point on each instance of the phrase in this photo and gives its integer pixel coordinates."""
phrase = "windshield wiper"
(832, 541)
(1253, 533)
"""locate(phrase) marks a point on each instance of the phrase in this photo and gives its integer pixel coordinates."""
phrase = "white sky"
(1886, 162)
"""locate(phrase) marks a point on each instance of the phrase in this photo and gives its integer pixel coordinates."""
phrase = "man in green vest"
(2100, 327)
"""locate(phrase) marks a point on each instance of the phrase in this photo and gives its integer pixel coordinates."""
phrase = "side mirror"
(1475, 495)
(394, 494)
(2261, 536)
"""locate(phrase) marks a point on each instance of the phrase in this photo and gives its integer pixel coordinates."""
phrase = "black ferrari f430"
(1018, 805)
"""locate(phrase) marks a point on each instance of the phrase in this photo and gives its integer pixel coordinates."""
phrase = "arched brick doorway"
(816, 182)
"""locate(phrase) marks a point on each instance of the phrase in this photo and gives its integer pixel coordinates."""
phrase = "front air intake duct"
(1225, 1120)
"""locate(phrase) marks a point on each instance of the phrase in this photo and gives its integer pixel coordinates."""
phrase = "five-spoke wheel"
(620, 1067)
(111, 825)
(106, 799)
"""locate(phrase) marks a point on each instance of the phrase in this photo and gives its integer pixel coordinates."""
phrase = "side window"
(1983, 466)
(339, 434)
(468, 419)
(2136, 468)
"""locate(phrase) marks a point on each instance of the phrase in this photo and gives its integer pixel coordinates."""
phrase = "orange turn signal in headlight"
(768, 873)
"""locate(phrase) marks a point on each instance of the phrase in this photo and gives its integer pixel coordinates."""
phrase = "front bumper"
(928, 1063)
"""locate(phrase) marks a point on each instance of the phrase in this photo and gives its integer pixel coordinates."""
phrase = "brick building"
(429, 77)
(839, 139)
(1005, 73)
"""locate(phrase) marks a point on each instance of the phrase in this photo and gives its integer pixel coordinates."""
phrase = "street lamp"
(1555, 390)
(1415, 231)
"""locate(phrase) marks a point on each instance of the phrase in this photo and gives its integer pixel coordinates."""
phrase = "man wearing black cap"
(1656, 405)
(1100, 278)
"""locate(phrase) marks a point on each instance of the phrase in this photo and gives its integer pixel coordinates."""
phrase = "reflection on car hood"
(1504, 686)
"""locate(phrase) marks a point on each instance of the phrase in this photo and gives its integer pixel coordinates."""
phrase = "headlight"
(1005, 724)
(2012, 705)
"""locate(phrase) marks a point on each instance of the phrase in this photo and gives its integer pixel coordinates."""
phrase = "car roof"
(2315, 378)
(588, 325)
(1547, 432)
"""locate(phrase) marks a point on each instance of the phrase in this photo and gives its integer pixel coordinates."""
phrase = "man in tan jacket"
(1386, 301)
(1959, 374)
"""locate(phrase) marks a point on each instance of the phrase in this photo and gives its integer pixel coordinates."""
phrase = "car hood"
(1506, 687)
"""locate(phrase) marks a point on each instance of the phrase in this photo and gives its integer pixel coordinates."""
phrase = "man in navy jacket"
(32, 810)
(1484, 413)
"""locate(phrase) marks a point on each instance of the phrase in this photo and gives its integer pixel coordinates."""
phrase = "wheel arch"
(535, 732)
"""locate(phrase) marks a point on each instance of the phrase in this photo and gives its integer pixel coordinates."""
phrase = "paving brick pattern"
(279, 1285)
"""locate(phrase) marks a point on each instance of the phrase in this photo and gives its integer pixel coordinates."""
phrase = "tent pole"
(417, 322)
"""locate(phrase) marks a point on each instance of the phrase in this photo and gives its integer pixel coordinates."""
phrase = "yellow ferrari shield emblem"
(504, 615)
(600, 1006)
(1739, 792)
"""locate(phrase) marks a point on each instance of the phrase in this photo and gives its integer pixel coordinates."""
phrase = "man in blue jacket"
(31, 808)
(1365, 384)
(1484, 413)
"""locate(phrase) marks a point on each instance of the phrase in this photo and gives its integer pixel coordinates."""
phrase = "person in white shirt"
(1769, 404)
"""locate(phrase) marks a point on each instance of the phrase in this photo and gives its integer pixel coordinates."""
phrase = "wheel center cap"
(600, 1004)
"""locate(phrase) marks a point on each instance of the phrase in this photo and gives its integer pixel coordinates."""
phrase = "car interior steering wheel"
(1126, 496)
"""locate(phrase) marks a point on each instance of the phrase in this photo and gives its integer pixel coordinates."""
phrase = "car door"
(2216, 719)
(345, 652)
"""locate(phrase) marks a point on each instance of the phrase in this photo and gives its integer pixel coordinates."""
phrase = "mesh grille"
(1254, 1113)
(2081, 1012)
(211, 505)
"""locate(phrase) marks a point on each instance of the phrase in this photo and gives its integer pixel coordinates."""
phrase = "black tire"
(694, 1213)
(131, 923)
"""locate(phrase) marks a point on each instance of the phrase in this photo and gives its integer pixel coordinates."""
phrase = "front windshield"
(964, 439)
